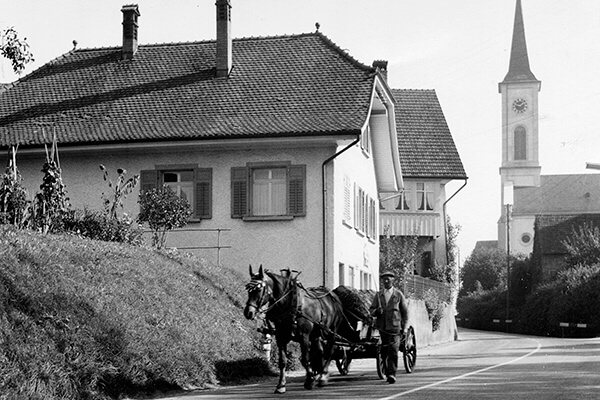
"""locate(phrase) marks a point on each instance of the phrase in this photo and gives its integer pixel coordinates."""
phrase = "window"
(404, 201)
(190, 183)
(417, 196)
(365, 213)
(268, 190)
(341, 274)
(365, 280)
(424, 196)
(520, 143)
(351, 276)
(365, 139)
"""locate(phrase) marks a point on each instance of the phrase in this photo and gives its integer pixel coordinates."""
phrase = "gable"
(301, 85)
(425, 144)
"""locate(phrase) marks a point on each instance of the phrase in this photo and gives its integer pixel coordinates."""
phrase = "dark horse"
(307, 316)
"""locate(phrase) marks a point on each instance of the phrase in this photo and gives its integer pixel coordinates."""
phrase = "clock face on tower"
(519, 106)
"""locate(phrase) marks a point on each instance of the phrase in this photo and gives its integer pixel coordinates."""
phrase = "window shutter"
(297, 190)
(148, 179)
(239, 192)
(203, 195)
(347, 200)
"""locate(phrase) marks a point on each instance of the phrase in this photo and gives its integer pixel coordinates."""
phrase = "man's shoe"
(391, 379)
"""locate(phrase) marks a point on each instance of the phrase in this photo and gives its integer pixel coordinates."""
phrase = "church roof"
(519, 69)
(559, 194)
(553, 230)
(425, 144)
(293, 85)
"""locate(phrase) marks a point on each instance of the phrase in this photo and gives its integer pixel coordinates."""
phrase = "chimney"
(130, 30)
(381, 66)
(223, 38)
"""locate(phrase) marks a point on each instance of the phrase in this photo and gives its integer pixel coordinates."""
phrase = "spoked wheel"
(380, 362)
(410, 350)
(344, 361)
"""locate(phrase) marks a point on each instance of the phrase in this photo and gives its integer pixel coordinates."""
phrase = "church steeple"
(519, 70)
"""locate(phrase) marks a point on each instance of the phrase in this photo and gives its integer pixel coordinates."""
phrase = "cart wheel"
(380, 362)
(410, 350)
(344, 362)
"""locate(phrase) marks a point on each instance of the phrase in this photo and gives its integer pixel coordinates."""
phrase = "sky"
(460, 48)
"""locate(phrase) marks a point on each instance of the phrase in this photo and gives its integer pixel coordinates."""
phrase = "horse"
(310, 317)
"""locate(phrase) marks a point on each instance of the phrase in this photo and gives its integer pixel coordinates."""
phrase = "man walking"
(390, 308)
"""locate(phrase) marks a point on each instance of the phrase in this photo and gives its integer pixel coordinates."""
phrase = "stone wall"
(419, 319)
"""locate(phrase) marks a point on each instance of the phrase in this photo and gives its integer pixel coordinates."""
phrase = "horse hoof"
(309, 384)
(322, 382)
(280, 390)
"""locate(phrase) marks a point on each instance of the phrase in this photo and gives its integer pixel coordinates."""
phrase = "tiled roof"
(553, 230)
(559, 194)
(425, 143)
(485, 244)
(279, 86)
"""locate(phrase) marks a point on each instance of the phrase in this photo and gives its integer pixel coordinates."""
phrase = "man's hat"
(387, 273)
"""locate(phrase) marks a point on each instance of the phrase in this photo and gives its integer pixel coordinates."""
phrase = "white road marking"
(539, 346)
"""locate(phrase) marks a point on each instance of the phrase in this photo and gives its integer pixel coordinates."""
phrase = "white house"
(281, 144)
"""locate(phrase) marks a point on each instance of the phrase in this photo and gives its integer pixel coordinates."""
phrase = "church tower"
(520, 144)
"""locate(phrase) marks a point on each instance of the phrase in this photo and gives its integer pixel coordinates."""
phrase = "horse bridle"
(260, 284)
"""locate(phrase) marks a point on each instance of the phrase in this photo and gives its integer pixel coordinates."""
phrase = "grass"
(84, 319)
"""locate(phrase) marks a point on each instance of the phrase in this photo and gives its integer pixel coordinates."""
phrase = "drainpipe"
(324, 186)
(444, 212)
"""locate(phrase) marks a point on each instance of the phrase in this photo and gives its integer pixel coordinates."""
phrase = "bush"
(573, 297)
(481, 307)
(100, 226)
(163, 210)
(435, 308)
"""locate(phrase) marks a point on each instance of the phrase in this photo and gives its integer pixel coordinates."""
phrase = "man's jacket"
(392, 316)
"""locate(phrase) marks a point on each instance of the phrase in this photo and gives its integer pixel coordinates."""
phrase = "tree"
(164, 210)
(486, 265)
(398, 253)
(15, 49)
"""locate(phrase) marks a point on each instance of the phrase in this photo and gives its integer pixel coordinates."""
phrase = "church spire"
(518, 69)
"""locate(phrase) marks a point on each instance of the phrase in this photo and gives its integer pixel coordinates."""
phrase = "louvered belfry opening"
(131, 13)
(224, 41)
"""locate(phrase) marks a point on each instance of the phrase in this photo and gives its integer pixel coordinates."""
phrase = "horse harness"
(292, 287)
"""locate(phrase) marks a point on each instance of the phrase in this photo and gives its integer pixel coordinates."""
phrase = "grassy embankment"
(84, 319)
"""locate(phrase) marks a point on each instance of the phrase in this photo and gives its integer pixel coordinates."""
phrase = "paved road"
(480, 365)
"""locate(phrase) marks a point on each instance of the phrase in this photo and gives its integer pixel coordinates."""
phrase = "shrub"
(99, 226)
(573, 297)
(13, 198)
(51, 204)
(482, 306)
(163, 210)
(435, 307)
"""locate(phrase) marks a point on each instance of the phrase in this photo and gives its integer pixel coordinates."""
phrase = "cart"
(365, 341)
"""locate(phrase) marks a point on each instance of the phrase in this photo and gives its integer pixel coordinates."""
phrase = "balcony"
(401, 223)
